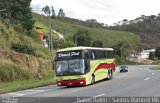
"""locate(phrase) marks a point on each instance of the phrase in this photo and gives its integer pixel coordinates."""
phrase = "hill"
(22, 54)
(23, 58)
(71, 27)
(147, 27)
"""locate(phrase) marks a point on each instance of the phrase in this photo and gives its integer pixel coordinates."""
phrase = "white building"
(45, 43)
(144, 54)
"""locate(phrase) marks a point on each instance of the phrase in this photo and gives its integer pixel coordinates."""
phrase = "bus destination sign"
(69, 55)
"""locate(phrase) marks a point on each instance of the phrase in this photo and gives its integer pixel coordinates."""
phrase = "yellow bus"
(80, 66)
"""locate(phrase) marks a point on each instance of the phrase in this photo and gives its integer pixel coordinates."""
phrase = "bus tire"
(110, 74)
(93, 80)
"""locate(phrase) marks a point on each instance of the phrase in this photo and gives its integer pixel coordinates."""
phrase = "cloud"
(107, 11)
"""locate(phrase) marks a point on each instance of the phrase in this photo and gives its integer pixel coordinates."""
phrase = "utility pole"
(49, 38)
(50, 45)
(2, 11)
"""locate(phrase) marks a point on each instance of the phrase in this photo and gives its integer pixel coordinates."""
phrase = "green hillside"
(21, 70)
(9, 38)
(108, 37)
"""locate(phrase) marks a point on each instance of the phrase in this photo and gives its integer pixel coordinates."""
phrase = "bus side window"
(110, 54)
(106, 54)
(87, 65)
(86, 54)
(93, 55)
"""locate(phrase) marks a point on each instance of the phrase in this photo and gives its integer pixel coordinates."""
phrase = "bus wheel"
(93, 80)
(110, 74)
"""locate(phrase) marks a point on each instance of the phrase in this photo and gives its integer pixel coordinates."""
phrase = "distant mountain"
(147, 27)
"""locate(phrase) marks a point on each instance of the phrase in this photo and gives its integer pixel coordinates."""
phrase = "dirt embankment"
(33, 67)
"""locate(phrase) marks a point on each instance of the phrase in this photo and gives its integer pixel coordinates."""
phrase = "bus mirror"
(53, 64)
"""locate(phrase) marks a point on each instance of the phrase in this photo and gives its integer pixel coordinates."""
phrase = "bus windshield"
(70, 67)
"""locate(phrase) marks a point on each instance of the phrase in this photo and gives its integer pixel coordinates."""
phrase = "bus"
(81, 66)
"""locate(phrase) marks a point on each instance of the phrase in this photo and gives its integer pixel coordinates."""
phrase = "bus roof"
(83, 48)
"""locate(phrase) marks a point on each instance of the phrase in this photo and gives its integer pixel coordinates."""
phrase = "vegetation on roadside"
(120, 61)
(10, 71)
(157, 62)
(155, 68)
(22, 66)
(27, 84)
(10, 39)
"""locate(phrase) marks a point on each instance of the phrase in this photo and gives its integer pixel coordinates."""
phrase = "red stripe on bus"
(106, 66)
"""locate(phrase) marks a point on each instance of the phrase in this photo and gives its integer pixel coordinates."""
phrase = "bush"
(82, 38)
(157, 62)
(119, 61)
(34, 35)
(68, 44)
(97, 43)
(23, 48)
(10, 71)
(42, 52)
(152, 55)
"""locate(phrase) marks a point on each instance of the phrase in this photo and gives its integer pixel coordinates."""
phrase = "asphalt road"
(140, 81)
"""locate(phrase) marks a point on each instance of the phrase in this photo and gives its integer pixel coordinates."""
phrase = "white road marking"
(30, 92)
(88, 99)
(16, 94)
(98, 95)
(146, 78)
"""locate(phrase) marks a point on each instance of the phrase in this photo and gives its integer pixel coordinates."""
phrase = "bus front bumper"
(74, 82)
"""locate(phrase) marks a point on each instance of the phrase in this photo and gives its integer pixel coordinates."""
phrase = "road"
(140, 81)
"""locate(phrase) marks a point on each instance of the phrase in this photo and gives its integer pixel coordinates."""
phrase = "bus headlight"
(81, 82)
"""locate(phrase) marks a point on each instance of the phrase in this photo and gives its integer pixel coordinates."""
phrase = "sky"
(106, 11)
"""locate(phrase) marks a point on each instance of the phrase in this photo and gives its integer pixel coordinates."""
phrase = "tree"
(157, 52)
(61, 13)
(68, 43)
(82, 38)
(53, 12)
(17, 12)
(125, 22)
(46, 10)
(152, 55)
(121, 49)
(97, 44)
(93, 23)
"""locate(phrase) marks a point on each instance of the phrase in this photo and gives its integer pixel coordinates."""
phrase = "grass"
(156, 68)
(127, 62)
(19, 71)
(27, 84)
(157, 62)
(10, 71)
(108, 37)
(9, 36)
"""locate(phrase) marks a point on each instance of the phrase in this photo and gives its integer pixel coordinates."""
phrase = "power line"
(2, 10)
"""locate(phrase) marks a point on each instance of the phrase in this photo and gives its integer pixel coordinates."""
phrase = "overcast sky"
(106, 11)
